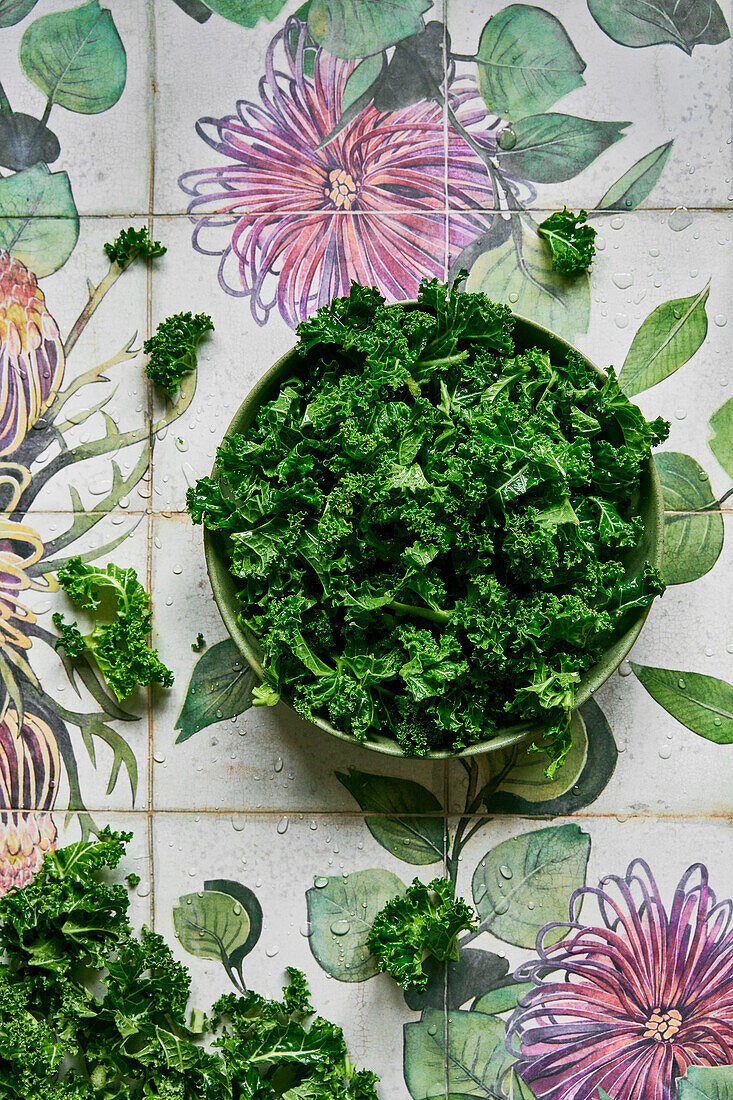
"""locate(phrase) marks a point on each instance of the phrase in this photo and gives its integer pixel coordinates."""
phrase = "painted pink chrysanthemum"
(629, 1004)
(299, 221)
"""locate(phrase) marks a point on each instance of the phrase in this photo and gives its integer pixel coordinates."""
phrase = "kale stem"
(420, 612)
(457, 358)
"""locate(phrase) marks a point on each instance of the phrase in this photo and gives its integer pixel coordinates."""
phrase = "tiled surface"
(255, 797)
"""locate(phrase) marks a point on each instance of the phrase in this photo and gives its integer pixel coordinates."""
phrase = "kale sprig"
(172, 348)
(424, 921)
(571, 240)
(131, 243)
(119, 646)
(429, 529)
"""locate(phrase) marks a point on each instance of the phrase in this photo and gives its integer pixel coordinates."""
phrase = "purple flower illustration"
(293, 221)
(629, 1003)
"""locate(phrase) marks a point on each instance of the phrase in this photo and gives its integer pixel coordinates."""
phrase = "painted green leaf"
(455, 983)
(692, 542)
(77, 58)
(416, 840)
(504, 999)
(702, 703)
(634, 186)
(360, 80)
(251, 905)
(210, 924)
(469, 1045)
(195, 8)
(527, 791)
(220, 687)
(543, 869)
(706, 1083)
(551, 148)
(603, 1095)
(639, 23)
(39, 224)
(670, 335)
(526, 62)
(415, 71)
(358, 28)
(721, 443)
(247, 13)
(12, 11)
(340, 916)
(519, 272)
(25, 142)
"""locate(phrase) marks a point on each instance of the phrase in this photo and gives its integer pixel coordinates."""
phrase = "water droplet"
(306, 930)
(720, 320)
(314, 825)
(319, 882)
(624, 669)
(717, 721)
(513, 297)
(282, 825)
(271, 952)
(236, 908)
(654, 252)
(479, 892)
(530, 905)
(507, 138)
(665, 753)
(623, 279)
(600, 243)
(622, 321)
(506, 872)
(159, 757)
(679, 219)
(433, 1029)
(708, 651)
(238, 824)
(340, 927)
(143, 890)
(277, 764)
(181, 444)
(501, 907)
(617, 223)
(621, 818)
(681, 683)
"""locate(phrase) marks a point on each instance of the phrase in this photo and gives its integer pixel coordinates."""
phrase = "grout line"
(150, 401)
(723, 817)
(539, 208)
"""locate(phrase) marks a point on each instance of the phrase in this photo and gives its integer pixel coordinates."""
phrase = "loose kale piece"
(120, 646)
(424, 920)
(199, 644)
(172, 348)
(572, 241)
(131, 243)
(429, 529)
(88, 1010)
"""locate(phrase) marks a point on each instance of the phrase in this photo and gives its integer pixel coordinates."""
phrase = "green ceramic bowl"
(650, 509)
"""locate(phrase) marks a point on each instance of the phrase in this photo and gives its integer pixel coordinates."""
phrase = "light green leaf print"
(667, 339)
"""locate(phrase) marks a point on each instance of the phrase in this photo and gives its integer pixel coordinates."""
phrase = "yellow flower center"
(341, 188)
(663, 1026)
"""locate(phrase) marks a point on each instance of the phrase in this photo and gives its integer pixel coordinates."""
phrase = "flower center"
(663, 1026)
(340, 189)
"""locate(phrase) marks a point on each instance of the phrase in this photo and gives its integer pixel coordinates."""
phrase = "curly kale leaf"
(88, 1009)
(131, 243)
(119, 646)
(430, 531)
(425, 920)
(571, 240)
(172, 348)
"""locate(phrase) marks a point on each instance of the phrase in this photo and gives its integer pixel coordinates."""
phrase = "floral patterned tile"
(244, 758)
(81, 749)
(311, 888)
(252, 332)
(251, 135)
(90, 446)
(83, 110)
(625, 886)
(578, 131)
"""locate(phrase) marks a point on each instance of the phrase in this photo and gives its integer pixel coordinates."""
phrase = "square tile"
(99, 419)
(107, 154)
(264, 759)
(84, 748)
(334, 858)
(659, 92)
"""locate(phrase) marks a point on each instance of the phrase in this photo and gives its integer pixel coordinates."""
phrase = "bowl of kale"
(434, 527)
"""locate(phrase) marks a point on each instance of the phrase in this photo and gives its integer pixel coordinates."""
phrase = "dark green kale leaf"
(119, 646)
(425, 920)
(131, 243)
(88, 1010)
(172, 348)
(571, 240)
(429, 532)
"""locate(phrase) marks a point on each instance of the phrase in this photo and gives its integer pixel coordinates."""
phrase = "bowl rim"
(223, 583)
